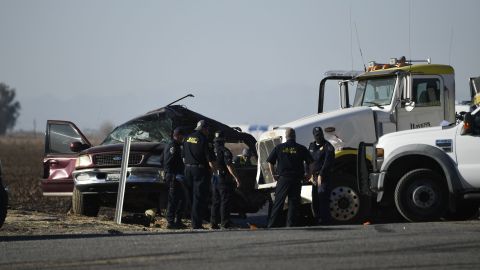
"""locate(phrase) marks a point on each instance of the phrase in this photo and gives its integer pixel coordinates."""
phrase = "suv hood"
(135, 146)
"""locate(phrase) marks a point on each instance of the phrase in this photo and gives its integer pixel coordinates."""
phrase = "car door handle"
(53, 162)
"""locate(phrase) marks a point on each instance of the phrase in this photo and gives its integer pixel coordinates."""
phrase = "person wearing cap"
(224, 183)
(323, 154)
(174, 170)
(287, 164)
(198, 157)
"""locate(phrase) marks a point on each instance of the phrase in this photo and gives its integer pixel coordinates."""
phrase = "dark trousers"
(197, 180)
(176, 200)
(222, 193)
(321, 202)
(291, 187)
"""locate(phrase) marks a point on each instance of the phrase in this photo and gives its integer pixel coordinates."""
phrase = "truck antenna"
(410, 29)
(450, 47)
(189, 95)
(351, 33)
(360, 48)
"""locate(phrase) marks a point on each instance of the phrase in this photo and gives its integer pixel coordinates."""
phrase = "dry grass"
(21, 156)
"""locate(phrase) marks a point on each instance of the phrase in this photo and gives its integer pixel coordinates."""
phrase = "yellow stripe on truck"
(426, 69)
(345, 152)
(342, 153)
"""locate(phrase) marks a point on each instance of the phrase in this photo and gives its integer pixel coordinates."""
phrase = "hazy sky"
(245, 61)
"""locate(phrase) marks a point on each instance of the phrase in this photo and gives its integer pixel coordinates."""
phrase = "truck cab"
(388, 98)
(430, 173)
(406, 96)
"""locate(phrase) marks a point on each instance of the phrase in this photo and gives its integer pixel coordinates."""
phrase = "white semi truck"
(388, 98)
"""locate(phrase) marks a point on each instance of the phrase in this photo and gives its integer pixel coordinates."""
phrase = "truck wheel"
(3, 205)
(85, 204)
(421, 195)
(346, 204)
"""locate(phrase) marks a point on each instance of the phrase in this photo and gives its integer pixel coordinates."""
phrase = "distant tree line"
(9, 108)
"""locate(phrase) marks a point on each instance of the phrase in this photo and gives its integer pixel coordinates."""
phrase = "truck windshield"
(374, 92)
(150, 128)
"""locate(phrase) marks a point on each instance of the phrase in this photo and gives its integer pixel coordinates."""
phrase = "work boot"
(171, 226)
(180, 225)
(227, 225)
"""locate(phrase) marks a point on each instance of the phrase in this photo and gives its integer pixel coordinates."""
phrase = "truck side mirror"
(409, 105)
(393, 113)
(344, 98)
(467, 124)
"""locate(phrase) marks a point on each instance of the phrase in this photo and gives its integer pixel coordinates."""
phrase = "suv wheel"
(85, 204)
(421, 195)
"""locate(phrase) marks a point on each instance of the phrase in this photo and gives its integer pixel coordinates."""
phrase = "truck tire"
(85, 204)
(3, 205)
(347, 205)
(421, 195)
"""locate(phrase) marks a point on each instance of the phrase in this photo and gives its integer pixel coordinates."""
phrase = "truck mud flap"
(362, 169)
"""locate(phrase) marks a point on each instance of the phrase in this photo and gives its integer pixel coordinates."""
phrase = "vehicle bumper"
(141, 179)
(53, 187)
(376, 183)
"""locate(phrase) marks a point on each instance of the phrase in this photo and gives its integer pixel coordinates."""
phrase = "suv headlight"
(83, 161)
(155, 160)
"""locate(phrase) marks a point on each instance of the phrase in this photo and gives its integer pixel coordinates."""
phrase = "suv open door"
(63, 141)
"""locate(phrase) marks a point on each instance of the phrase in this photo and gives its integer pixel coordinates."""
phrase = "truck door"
(426, 106)
(59, 158)
(467, 149)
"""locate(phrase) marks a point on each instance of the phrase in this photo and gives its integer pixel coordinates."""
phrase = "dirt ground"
(30, 213)
(28, 222)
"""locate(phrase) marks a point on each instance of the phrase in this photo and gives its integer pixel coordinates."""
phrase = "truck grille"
(264, 149)
(116, 159)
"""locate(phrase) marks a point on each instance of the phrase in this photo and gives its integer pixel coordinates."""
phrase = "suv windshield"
(149, 128)
(374, 92)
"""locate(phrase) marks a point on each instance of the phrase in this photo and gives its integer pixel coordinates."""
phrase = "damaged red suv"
(90, 174)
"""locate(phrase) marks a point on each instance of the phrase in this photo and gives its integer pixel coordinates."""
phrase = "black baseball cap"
(317, 131)
(178, 131)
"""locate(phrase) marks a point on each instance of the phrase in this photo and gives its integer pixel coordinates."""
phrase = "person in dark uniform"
(224, 183)
(198, 158)
(290, 158)
(323, 154)
(244, 159)
(174, 170)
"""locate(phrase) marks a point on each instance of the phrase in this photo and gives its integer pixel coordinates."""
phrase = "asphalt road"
(445, 245)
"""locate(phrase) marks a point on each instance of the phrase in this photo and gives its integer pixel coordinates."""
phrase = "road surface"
(442, 245)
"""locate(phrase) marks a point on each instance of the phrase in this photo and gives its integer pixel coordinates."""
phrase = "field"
(21, 156)
(30, 213)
